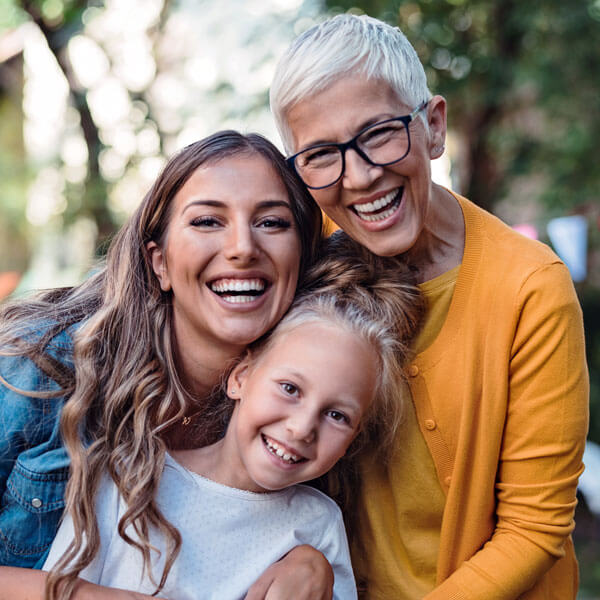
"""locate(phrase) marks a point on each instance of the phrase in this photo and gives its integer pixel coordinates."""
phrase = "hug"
(426, 366)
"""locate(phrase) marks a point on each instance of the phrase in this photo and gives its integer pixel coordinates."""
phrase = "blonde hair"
(345, 45)
(125, 391)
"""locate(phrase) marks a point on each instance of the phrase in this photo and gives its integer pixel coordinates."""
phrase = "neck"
(440, 245)
(200, 362)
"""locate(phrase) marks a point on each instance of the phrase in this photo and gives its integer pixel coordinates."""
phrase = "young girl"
(321, 381)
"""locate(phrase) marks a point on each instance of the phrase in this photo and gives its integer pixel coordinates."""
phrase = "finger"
(259, 589)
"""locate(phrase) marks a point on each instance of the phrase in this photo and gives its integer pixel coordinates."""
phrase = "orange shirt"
(501, 400)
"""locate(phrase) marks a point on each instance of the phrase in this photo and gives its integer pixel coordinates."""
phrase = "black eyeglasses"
(380, 144)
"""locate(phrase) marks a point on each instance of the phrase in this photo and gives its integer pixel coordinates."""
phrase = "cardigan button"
(430, 424)
(413, 370)
(448, 481)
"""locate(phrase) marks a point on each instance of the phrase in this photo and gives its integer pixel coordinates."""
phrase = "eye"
(205, 221)
(337, 416)
(289, 388)
(275, 223)
(318, 157)
(381, 134)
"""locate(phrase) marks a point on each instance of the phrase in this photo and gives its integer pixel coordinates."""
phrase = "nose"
(241, 245)
(358, 173)
(302, 425)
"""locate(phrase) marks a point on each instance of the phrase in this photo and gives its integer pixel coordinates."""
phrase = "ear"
(436, 116)
(159, 265)
(236, 379)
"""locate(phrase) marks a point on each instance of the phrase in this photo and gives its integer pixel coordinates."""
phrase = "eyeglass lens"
(382, 144)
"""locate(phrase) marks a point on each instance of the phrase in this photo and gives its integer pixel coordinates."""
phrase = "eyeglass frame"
(352, 143)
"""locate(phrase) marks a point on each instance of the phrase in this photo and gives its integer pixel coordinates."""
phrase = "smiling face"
(230, 257)
(299, 407)
(383, 208)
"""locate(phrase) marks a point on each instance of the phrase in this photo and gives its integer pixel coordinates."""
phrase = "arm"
(302, 574)
(542, 447)
(28, 584)
(33, 465)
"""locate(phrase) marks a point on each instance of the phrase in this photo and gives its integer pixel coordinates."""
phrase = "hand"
(302, 574)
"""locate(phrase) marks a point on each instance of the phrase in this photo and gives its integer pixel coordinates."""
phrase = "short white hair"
(341, 46)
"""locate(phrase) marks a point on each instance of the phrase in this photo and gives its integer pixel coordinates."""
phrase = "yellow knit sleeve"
(541, 454)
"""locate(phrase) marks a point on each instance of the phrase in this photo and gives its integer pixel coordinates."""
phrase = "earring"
(233, 392)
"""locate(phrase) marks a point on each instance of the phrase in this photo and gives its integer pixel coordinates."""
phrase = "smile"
(381, 208)
(238, 291)
(283, 453)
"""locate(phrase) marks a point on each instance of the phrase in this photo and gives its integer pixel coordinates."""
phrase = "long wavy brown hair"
(125, 391)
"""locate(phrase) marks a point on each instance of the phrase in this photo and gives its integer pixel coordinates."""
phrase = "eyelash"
(267, 223)
(344, 418)
(285, 386)
(275, 222)
(204, 222)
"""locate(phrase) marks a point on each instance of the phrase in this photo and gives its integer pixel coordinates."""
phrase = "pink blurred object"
(8, 282)
(527, 230)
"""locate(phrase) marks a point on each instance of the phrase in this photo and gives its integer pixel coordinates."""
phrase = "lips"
(381, 208)
(281, 451)
(238, 290)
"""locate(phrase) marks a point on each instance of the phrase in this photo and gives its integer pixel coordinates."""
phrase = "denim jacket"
(33, 462)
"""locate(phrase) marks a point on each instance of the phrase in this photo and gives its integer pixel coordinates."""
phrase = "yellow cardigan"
(501, 398)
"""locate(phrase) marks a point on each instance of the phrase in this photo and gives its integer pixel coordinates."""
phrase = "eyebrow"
(220, 204)
(363, 125)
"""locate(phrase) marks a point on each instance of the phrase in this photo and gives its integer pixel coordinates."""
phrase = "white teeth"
(378, 216)
(238, 299)
(237, 285)
(367, 207)
(276, 449)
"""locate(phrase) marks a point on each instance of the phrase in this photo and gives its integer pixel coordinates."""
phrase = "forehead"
(342, 109)
(247, 177)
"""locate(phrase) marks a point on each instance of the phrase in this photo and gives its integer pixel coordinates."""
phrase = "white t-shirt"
(229, 537)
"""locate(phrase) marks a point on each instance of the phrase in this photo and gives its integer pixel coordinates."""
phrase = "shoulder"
(499, 259)
(499, 239)
(316, 501)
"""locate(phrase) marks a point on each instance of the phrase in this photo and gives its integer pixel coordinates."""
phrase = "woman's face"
(231, 254)
(403, 189)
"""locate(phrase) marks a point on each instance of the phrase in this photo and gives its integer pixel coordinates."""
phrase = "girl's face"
(299, 407)
(231, 255)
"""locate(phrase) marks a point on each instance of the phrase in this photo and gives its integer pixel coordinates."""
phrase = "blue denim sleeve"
(33, 463)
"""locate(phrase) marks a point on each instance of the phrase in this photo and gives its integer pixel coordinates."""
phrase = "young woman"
(298, 404)
(478, 499)
(114, 369)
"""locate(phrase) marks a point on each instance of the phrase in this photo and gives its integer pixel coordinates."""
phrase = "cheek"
(325, 198)
(288, 260)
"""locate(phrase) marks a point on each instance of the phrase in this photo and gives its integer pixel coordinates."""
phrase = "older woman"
(477, 501)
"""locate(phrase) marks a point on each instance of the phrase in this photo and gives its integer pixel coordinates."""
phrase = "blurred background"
(94, 95)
